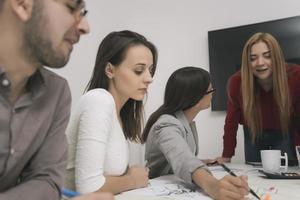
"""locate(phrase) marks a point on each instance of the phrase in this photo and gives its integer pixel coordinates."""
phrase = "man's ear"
(22, 8)
(109, 70)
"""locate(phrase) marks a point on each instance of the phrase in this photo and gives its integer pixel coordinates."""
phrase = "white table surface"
(172, 188)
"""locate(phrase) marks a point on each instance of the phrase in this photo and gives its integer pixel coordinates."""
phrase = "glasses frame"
(79, 10)
(210, 91)
(80, 14)
(83, 12)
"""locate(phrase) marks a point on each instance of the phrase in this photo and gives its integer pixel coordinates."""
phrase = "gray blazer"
(172, 146)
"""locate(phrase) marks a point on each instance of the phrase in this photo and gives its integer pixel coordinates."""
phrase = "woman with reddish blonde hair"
(264, 97)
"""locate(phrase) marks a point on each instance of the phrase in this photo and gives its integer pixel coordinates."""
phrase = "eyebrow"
(78, 3)
(140, 64)
(143, 65)
(264, 53)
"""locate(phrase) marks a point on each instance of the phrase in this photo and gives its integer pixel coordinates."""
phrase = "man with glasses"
(35, 102)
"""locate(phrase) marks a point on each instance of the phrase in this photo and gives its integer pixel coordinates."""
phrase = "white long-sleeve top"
(97, 145)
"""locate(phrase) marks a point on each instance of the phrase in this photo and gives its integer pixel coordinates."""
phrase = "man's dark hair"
(1, 4)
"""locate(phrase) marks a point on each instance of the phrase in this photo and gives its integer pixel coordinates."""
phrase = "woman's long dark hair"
(113, 49)
(184, 89)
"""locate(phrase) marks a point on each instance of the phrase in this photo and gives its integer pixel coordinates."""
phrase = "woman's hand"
(229, 188)
(139, 175)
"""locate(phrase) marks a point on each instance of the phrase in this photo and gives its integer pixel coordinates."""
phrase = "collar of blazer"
(189, 127)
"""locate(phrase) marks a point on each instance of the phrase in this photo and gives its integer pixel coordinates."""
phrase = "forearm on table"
(204, 179)
(184, 167)
(117, 184)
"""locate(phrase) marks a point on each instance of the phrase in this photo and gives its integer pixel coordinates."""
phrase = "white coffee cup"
(271, 160)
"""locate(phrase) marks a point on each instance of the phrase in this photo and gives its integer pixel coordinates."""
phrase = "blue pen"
(69, 193)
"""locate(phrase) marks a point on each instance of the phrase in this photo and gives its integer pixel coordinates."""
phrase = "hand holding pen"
(232, 188)
(227, 188)
(233, 174)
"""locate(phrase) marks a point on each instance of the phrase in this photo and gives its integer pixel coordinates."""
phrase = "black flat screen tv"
(226, 45)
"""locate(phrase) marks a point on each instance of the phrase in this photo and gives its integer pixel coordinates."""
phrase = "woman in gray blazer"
(172, 141)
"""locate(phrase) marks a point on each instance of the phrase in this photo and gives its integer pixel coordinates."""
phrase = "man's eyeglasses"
(210, 91)
(77, 9)
(81, 13)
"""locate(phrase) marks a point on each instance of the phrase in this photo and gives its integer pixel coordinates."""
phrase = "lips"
(143, 90)
(72, 41)
(262, 69)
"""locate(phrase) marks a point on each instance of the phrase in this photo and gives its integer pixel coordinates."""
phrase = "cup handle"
(285, 157)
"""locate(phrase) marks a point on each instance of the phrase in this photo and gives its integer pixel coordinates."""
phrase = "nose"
(260, 60)
(148, 77)
(83, 26)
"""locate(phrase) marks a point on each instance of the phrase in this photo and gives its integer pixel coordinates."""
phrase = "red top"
(270, 118)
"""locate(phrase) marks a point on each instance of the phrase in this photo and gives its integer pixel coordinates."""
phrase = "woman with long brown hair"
(263, 97)
(109, 114)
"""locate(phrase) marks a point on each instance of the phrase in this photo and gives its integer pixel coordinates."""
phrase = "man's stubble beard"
(37, 43)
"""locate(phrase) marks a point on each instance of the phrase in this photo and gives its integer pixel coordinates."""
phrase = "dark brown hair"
(185, 88)
(113, 49)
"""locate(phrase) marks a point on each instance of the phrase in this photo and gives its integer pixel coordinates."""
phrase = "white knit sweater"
(97, 145)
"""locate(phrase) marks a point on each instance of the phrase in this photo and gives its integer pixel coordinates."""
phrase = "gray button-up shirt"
(33, 147)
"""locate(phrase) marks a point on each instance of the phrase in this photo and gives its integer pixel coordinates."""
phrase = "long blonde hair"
(251, 106)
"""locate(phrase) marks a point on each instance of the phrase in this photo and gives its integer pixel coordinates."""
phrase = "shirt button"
(5, 82)
(12, 151)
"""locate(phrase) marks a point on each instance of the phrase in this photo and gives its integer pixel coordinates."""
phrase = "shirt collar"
(189, 127)
(35, 81)
(4, 82)
(1, 70)
(181, 116)
(34, 84)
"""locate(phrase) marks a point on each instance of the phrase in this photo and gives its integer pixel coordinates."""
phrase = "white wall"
(179, 30)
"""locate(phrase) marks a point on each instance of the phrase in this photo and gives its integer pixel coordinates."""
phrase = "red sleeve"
(233, 116)
(297, 105)
(294, 83)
